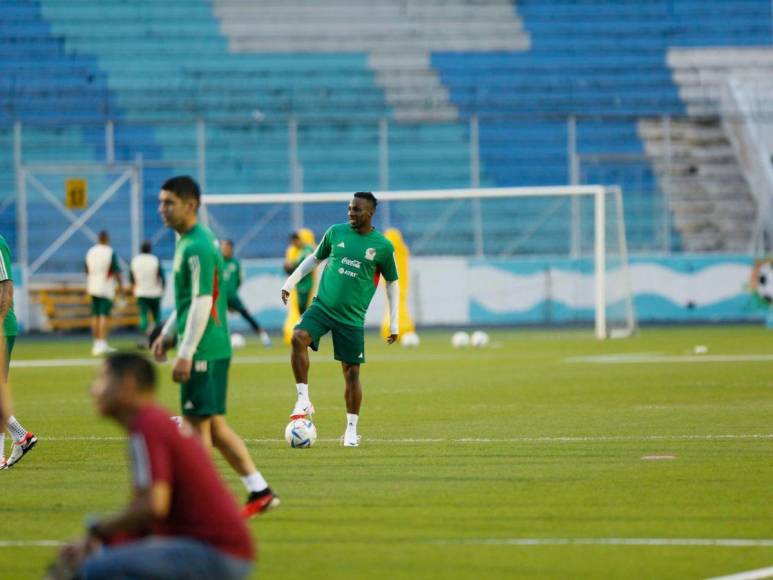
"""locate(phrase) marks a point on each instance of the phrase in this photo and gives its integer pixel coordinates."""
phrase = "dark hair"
(103, 237)
(184, 187)
(295, 236)
(123, 364)
(146, 247)
(228, 241)
(369, 196)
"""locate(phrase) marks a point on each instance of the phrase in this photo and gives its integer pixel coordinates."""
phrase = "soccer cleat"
(21, 448)
(259, 502)
(349, 440)
(302, 410)
(265, 339)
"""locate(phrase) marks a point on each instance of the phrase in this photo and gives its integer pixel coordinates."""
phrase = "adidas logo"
(189, 405)
(341, 245)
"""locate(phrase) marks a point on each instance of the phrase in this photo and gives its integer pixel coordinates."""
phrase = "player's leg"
(353, 397)
(237, 305)
(23, 440)
(349, 348)
(299, 359)
(144, 308)
(155, 311)
(95, 326)
(202, 426)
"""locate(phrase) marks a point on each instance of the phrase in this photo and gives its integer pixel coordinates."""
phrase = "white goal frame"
(597, 192)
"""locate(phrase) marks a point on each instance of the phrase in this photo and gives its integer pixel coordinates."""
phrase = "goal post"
(567, 229)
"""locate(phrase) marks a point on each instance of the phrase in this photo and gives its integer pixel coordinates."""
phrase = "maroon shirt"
(202, 507)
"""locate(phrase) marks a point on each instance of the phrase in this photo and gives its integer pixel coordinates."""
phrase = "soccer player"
(23, 440)
(204, 346)
(102, 275)
(232, 280)
(357, 256)
(304, 287)
(147, 278)
(181, 521)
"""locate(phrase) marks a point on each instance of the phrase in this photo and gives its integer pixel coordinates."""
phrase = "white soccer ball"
(460, 340)
(479, 339)
(410, 340)
(238, 340)
(763, 284)
(300, 433)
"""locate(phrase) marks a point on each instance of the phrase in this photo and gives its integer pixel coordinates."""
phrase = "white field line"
(250, 360)
(649, 358)
(749, 575)
(696, 542)
(589, 439)
(721, 542)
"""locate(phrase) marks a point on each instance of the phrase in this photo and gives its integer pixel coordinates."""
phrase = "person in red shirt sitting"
(182, 521)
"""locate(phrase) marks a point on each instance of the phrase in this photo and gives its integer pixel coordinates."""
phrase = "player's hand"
(392, 338)
(285, 296)
(159, 348)
(181, 373)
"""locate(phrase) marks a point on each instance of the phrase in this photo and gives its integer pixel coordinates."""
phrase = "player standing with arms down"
(232, 280)
(358, 256)
(102, 275)
(204, 346)
(23, 441)
(147, 278)
(306, 284)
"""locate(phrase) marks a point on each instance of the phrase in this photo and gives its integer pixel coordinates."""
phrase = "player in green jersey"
(357, 256)
(23, 440)
(204, 346)
(232, 280)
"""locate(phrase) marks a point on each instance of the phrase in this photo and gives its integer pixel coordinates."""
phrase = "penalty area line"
(710, 542)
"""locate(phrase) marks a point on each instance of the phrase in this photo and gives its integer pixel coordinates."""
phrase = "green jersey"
(306, 283)
(198, 271)
(10, 327)
(232, 277)
(355, 264)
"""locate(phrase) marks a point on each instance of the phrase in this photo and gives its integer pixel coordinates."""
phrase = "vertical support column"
(599, 252)
(110, 142)
(575, 229)
(622, 248)
(22, 223)
(201, 154)
(296, 171)
(383, 169)
(136, 211)
(477, 213)
(666, 222)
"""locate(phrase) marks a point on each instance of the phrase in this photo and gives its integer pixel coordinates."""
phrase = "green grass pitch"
(467, 455)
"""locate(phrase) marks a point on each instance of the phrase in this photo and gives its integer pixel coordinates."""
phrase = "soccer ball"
(410, 340)
(763, 284)
(238, 340)
(460, 340)
(479, 339)
(300, 433)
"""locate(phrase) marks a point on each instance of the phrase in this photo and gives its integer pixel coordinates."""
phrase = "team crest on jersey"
(370, 254)
(341, 245)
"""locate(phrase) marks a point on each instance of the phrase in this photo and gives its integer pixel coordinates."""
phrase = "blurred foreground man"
(181, 522)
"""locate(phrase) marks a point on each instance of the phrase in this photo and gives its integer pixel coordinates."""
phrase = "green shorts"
(348, 341)
(9, 340)
(205, 393)
(101, 306)
(150, 306)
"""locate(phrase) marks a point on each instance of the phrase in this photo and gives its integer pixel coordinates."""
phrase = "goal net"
(497, 256)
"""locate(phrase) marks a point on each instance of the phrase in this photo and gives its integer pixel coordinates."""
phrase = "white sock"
(351, 423)
(303, 391)
(254, 482)
(2, 445)
(17, 431)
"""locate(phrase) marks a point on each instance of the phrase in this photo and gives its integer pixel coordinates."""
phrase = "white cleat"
(350, 440)
(99, 350)
(302, 410)
(21, 448)
(265, 339)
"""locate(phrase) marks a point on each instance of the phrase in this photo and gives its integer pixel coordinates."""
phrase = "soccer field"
(546, 455)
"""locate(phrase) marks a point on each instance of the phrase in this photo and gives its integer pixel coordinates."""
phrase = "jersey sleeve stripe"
(140, 461)
(195, 266)
(3, 271)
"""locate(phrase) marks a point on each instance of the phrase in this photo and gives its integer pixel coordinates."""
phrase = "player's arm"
(308, 265)
(389, 270)
(115, 270)
(238, 274)
(161, 275)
